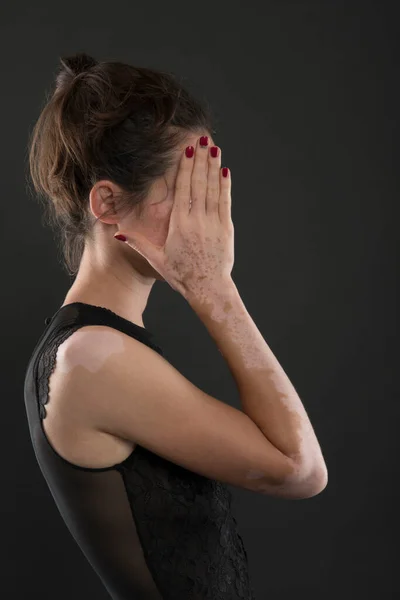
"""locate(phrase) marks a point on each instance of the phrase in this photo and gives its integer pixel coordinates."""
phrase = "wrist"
(213, 296)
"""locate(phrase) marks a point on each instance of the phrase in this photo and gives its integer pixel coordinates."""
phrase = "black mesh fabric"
(150, 529)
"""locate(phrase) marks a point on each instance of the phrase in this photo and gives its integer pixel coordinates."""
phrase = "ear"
(103, 201)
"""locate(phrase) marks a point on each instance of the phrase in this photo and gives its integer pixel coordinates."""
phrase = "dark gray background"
(305, 94)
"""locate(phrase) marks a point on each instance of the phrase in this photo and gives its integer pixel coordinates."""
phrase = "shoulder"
(99, 342)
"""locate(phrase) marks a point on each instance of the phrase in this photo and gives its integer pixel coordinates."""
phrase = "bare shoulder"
(68, 423)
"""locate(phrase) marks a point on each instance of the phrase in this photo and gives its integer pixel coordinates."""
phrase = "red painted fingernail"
(189, 151)
(225, 172)
(214, 151)
(204, 140)
(121, 237)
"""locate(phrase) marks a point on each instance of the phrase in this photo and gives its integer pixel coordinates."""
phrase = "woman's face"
(154, 222)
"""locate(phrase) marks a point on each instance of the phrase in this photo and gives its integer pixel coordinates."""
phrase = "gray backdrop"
(305, 94)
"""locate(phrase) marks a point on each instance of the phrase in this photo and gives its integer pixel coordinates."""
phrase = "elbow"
(310, 483)
(297, 484)
(314, 483)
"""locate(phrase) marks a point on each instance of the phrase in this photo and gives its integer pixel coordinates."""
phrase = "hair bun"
(74, 65)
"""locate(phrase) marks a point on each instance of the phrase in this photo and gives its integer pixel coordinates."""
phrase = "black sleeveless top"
(151, 529)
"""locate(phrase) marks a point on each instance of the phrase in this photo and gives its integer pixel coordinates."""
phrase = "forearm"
(266, 393)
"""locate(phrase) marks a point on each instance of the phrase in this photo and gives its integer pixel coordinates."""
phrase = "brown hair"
(106, 120)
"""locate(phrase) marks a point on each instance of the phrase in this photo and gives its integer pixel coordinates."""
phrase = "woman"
(136, 457)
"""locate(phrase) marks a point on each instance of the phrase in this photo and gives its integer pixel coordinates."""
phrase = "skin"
(112, 274)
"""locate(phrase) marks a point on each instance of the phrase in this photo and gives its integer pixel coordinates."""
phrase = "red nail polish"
(204, 140)
(189, 151)
(225, 172)
(121, 237)
(214, 151)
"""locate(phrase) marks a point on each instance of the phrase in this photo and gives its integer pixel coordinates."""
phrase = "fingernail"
(214, 151)
(189, 151)
(121, 237)
(225, 172)
(204, 140)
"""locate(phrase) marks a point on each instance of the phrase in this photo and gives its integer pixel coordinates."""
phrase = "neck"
(112, 281)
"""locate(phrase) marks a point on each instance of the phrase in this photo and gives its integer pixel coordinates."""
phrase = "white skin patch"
(104, 344)
(283, 487)
(254, 357)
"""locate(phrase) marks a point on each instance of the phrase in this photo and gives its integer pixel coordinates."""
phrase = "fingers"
(200, 186)
(213, 184)
(183, 183)
(199, 176)
(225, 198)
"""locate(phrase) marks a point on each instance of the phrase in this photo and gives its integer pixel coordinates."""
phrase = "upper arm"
(132, 392)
